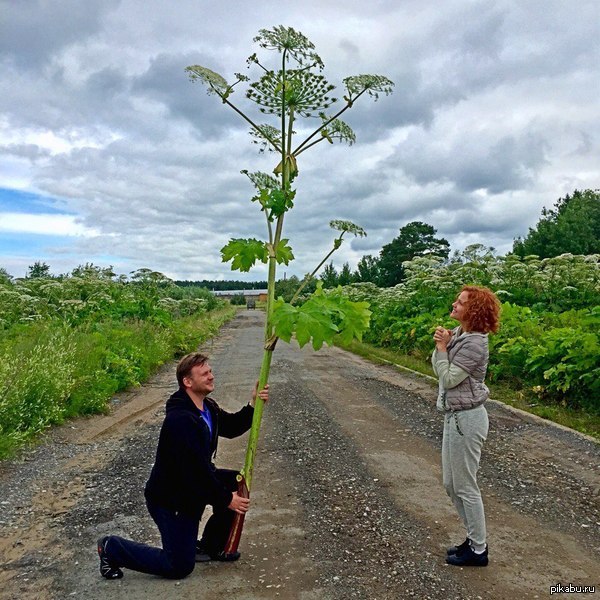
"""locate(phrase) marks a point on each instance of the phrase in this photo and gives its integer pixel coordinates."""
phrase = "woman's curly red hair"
(482, 312)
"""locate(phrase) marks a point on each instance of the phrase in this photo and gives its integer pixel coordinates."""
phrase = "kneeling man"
(184, 480)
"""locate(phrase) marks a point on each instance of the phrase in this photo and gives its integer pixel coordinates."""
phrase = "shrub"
(238, 300)
(548, 340)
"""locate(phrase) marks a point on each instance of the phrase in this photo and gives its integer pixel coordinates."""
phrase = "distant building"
(257, 295)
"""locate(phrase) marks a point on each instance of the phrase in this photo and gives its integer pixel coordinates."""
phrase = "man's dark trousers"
(179, 533)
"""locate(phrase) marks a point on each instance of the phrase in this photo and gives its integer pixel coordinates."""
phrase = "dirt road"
(347, 497)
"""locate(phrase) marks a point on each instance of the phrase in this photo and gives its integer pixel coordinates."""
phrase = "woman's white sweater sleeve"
(449, 375)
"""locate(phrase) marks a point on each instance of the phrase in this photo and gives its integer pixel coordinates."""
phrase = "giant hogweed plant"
(296, 89)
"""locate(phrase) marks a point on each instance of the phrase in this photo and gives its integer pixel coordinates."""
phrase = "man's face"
(200, 380)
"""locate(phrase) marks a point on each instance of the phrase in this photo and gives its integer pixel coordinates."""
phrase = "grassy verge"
(518, 398)
(51, 373)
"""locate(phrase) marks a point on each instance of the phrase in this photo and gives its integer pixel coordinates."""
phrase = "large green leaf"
(315, 323)
(283, 252)
(244, 253)
(284, 319)
(321, 318)
(354, 319)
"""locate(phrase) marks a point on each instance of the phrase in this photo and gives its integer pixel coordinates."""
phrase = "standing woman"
(460, 361)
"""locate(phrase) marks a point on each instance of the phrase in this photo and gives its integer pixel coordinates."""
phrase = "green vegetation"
(572, 226)
(508, 394)
(238, 300)
(291, 90)
(548, 346)
(68, 343)
(229, 284)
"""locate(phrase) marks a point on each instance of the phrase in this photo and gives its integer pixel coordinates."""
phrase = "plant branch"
(323, 125)
(309, 146)
(252, 123)
(309, 276)
(263, 68)
(284, 150)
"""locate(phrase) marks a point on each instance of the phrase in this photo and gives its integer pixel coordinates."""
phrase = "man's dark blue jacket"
(183, 477)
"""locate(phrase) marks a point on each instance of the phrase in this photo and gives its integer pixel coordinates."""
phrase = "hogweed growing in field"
(295, 89)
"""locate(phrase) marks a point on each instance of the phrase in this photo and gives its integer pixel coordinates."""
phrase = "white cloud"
(44, 224)
(494, 115)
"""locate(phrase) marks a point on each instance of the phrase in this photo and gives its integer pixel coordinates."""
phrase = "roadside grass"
(520, 398)
(57, 373)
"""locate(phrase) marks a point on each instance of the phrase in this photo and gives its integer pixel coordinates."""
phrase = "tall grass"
(55, 366)
(34, 388)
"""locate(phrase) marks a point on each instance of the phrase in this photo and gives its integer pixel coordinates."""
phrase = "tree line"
(571, 226)
(40, 269)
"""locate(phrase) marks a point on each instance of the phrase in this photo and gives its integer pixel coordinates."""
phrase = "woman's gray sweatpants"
(460, 461)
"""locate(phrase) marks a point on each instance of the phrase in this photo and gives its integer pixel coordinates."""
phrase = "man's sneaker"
(225, 556)
(469, 558)
(203, 555)
(458, 549)
(106, 569)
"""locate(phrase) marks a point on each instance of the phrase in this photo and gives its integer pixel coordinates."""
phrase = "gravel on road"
(347, 500)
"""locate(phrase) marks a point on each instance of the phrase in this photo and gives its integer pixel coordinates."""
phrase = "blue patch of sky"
(30, 244)
(27, 202)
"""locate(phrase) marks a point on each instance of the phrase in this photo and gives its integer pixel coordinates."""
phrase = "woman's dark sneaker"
(469, 558)
(106, 569)
(458, 549)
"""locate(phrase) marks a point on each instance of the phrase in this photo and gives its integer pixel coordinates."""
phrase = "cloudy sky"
(110, 155)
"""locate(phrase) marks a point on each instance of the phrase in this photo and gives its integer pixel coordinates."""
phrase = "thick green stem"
(245, 478)
(270, 339)
(264, 372)
(311, 275)
(256, 420)
(271, 283)
(290, 130)
(284, 150)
